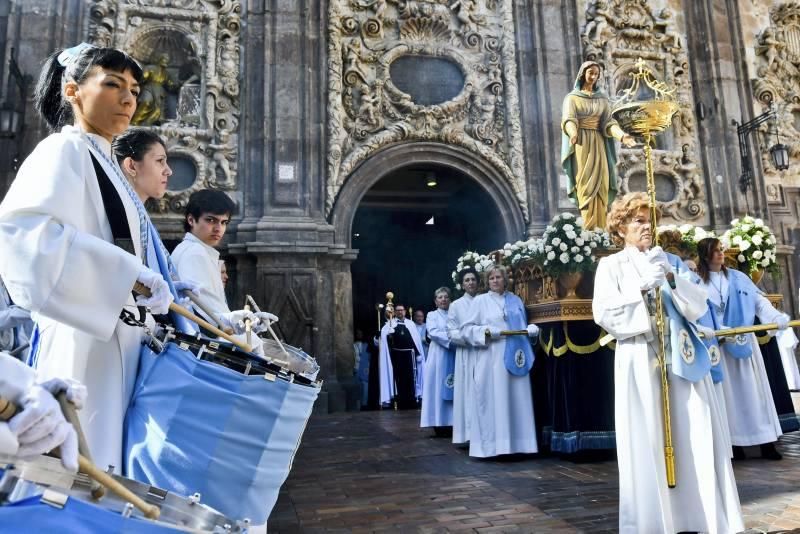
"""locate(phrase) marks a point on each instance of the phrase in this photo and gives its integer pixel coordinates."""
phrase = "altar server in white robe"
(58, 257)
(399, 348)
(705, 498)
(502, 404)
(735, 301)
(465, 356)
(196, 260)
(437, 397)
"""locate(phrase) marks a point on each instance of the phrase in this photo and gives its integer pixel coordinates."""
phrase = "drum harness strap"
(115, 212)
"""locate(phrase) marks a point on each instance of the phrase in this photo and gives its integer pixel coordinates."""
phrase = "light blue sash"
(518, 356)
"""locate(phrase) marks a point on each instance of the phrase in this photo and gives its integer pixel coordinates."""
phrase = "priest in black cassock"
(399, 347)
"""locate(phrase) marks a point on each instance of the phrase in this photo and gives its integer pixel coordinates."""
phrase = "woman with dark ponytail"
(74, 237)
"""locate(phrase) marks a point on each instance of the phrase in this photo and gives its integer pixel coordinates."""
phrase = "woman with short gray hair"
(437, 394)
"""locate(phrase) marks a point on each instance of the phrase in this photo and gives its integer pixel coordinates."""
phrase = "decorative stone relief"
(616, 34)
(189, 50)
(455, 62)
(777, 83)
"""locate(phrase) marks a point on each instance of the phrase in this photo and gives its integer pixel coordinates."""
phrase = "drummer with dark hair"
(197, 260)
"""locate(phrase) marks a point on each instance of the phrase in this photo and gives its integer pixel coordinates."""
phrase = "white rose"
(759, 222)
(548, 248)
(571, 235)
(578, 258)
(563, 246)
(685, 228)
(734, 222)
(458, 286)
(744, 245)
(507, 246)
(740, 258)
(564, 258)
(556, 241)
(567, 227)
(587, 250)
(760, 234)
(746, 227)
(757, 240)
(516, 258)
(551, 255)
(506, 253)
(580, 241)
(765, 262)
(575, 250)
(758, 255)
(593, 244)
(478, 267)
(459, 268)
(579, 221)
(736, 239)
(550, 228)
(768, 253)
(567, 216)
(747, 219)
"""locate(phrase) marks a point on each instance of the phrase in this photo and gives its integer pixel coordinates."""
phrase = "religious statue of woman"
(151, 108)
(588, 154)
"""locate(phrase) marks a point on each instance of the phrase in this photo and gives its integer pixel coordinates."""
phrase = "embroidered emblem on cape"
(519, 358)
(686, 347)
(741, 339)
(714, 354)
(449, 381)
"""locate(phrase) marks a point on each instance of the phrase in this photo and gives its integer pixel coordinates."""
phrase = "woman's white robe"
(58, 260)
(465, 368)
(502, 404)
(752, 416)
(435, 410)
(705, 498)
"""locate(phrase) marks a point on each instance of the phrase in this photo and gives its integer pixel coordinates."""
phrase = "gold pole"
(669, 451)
(727, 332)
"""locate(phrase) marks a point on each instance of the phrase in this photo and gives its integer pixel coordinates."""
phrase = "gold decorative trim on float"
(560, 310)
(572, 346)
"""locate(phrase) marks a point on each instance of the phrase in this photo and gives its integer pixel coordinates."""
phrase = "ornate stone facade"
(618, 32)
(367, 110)
(190, 52)
(777, 83)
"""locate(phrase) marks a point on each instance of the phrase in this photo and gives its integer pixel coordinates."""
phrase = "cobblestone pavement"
(379, 472)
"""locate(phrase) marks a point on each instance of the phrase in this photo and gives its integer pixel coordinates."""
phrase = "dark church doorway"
(409, 229)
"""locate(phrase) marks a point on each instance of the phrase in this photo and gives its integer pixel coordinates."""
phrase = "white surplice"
(502, 403)
(705, 498)
(199, 263)
(465, 367)
(752, 416)
(388, 389)
(58, 260)
(435, 410)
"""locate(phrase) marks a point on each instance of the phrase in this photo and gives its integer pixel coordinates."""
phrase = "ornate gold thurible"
(643, 110)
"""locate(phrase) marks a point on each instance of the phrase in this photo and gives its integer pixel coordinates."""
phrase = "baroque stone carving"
(777, 84)
(616, 34)
(367, 111)
(193, 47)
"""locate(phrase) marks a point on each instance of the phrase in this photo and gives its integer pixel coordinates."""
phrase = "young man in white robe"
(705, 498)
(437, 397)
(196, 259)
(399, 347)
(465, 357)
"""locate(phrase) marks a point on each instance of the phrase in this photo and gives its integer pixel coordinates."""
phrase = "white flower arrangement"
(756, 244)
(568, 247)
(469, 259)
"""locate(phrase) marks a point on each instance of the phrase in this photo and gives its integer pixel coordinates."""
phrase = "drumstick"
(68, 409)
(269, 326)
(248, 327)
(180, 310)
(202, 305)
(7, 411)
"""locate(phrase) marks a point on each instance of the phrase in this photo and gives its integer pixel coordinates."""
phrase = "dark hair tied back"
(134, 143)
(48, 98)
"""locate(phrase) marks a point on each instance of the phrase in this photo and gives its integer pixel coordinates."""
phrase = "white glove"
(76, 392)
(236, 319)
(40, 427)
(533, 330)
(160, 297)
(187, 286)
(264, 320)
(652, 276)
(706, 332)
(13, 316)
(782, 321)
(494, 332)
(657, 256)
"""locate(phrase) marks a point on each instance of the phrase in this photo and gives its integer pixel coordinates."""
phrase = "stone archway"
(402, 155)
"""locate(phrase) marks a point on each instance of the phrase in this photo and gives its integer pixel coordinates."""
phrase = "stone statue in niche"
(769, 45)
(467, 15)
(158, 81)
(220, 165)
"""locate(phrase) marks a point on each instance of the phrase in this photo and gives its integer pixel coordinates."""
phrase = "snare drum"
(294, 359)
(39, 495)
(205, 417)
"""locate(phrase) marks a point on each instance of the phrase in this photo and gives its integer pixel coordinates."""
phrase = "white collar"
(99, 140)
(211, 251)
